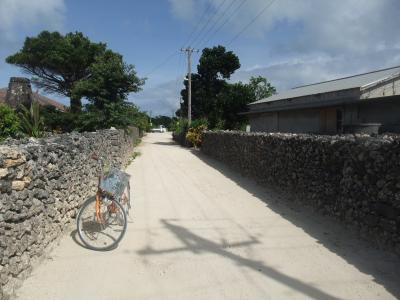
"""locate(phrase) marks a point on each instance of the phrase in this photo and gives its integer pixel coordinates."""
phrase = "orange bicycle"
(102, 219)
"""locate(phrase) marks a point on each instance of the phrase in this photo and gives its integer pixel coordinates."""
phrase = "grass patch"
(134, 155)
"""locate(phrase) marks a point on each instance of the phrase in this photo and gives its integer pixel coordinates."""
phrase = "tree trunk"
(76, 104)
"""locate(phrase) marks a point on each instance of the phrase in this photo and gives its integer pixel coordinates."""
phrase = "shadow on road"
(165, 143)
(198, 245)
(75, 237)
(383, 266)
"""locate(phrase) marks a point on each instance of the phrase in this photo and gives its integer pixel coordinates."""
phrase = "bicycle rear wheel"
(104, 227)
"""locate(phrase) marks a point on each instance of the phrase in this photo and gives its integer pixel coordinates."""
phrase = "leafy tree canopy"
(163, 120)
(217, 100)
(118, 115)
(73, 66)
(234, 100)
(261, 87)
(111, 80)
(217, 62)
(215, 66)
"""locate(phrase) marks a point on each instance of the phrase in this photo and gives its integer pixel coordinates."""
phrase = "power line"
(208, 22)
(251, 22)
(167, 59)
(180, 82)
(226, 21)
(199, 22)
(180, 72)
(217, 20)
(179, 77)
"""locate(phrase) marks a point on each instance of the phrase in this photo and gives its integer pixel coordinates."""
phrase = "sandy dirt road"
(201, 231)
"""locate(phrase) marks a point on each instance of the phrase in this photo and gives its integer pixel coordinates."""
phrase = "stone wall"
(42, 183)
(353, 178)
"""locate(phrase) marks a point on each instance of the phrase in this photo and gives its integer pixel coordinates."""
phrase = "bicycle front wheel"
(126, 199)
(102, 225)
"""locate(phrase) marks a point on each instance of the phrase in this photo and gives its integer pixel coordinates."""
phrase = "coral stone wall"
(42, 183)
(354, 178)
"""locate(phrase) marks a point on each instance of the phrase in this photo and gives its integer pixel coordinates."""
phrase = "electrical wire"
(198, 24)
(226, 21)
(200, 33)
(169, 57)
(219, 17)
(166, 60)
(180, 72)
(251, 22)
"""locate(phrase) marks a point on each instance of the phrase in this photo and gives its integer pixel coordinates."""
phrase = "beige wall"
(386, 89)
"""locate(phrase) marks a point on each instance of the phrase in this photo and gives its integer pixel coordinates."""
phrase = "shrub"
(195, 132)
(118, 115)
(179, 134)
(174, 125)
(32, 123)
(57, 121)
(199, 122)
(9, 122)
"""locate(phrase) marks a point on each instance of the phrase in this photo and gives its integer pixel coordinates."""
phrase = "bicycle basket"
(114, 183)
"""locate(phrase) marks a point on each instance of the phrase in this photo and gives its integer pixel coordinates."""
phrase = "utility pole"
(180, 109)
(189, 52)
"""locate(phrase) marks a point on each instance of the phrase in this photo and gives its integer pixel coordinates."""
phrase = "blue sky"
(293, 42)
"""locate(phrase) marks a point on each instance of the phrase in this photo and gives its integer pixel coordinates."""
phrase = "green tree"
(111, 81)
(73, 66)
(234, 100)
(9, 122)
(118, 115)
(163, 120)
(216, 65)
(57, 121)
(57, 62)
(261, 87)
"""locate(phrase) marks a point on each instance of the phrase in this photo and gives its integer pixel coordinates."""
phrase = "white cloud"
(21, 18)
(183, 9)
(162, 99)
(356, 25)
(337, 26)
(294, 72)
(16, 14)
(308, 41)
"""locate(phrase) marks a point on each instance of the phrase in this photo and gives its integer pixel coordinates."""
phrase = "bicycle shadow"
(75, 237)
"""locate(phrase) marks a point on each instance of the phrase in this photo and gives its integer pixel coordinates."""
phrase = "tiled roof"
(43, 100)
(3, 93)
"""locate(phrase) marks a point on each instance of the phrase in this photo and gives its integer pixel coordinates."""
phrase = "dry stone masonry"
(353, 178)
(42, 183)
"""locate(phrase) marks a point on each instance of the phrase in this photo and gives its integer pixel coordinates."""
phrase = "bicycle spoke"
(103, 227)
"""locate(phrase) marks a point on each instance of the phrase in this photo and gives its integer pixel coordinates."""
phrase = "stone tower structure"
(19, 92)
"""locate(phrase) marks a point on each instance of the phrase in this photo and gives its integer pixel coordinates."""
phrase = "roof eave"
(309, 101)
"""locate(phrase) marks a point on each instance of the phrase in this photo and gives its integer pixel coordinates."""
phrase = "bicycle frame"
(100, 194)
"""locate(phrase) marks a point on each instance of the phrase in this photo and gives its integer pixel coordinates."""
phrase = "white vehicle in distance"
(161, 128)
